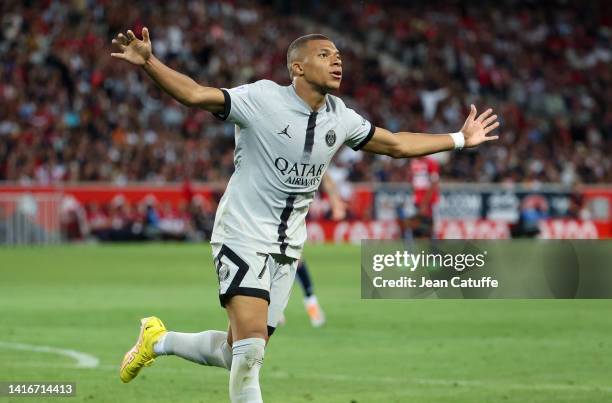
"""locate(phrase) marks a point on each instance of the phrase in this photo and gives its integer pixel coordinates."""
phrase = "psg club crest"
(330, 138)
(223, 272)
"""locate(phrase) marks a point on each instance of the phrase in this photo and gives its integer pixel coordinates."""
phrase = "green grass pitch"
(89, 298)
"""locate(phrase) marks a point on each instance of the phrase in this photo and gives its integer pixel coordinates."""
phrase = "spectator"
(70, 114)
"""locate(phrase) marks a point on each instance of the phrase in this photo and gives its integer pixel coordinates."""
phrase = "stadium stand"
(70, 113)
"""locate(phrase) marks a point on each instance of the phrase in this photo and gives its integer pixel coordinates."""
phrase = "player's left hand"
(475, 129)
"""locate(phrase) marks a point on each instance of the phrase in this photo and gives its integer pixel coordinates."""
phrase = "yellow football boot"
(142, 354)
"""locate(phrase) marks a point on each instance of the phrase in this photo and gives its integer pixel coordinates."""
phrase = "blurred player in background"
(311, 302)
(424, 177)
(285, 139)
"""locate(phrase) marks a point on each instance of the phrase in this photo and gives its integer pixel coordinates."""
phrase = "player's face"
(322, 65)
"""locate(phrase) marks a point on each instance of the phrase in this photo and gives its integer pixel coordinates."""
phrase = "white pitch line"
(83, 360)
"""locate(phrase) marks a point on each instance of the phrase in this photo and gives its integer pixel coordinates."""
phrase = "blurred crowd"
(150, 219)
(191, 219)
(71, 113)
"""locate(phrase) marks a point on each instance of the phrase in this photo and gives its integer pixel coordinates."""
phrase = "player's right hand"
(133, 50)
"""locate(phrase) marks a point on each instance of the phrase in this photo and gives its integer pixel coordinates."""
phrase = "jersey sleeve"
(359, 129)
(242, 103)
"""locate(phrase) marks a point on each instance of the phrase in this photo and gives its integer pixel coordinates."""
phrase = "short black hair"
(298, 44)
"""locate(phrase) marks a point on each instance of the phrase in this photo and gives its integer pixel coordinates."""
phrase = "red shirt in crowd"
(425, 173)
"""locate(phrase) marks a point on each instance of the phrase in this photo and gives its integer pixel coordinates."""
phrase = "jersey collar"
(303, 104)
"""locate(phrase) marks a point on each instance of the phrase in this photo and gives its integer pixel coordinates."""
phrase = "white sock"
(311, 300)
(244, 375)
(206, 348)
(159, 346)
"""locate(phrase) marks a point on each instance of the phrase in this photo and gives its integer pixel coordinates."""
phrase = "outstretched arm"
(405, 145)
(179, 86)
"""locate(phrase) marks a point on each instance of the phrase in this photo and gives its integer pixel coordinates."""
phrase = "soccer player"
(424, 176)
(311, 302)
(285, 138)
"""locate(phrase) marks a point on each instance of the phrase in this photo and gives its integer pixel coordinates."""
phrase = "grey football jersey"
(282, 150)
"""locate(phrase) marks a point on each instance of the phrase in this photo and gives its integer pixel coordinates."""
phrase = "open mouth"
(337, 75)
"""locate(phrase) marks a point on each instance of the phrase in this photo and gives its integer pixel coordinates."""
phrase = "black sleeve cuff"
(367, 138)
(226, 107)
